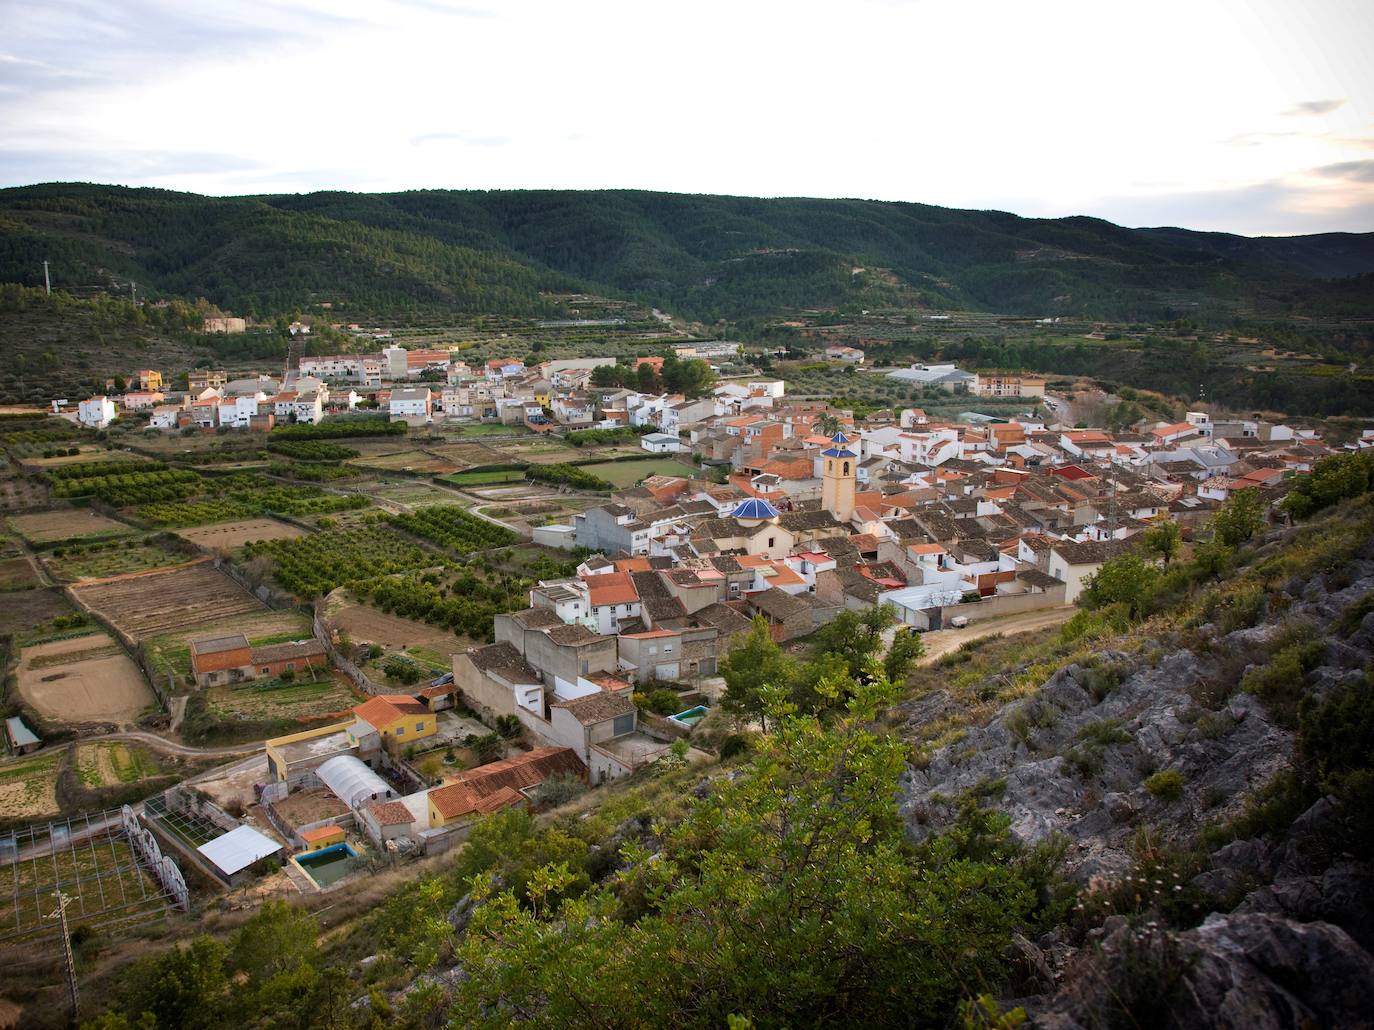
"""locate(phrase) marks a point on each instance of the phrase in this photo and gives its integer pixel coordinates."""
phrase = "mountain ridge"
(708, 257)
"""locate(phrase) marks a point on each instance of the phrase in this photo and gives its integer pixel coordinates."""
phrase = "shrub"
(664, 702)
(508, 726)
(1167, 785)
(1279, 682)
(735, 744)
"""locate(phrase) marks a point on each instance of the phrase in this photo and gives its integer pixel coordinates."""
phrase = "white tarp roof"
(352, 781)
(238, 849)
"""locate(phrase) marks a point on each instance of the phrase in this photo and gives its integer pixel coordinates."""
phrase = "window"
(770, 542)
(419, 727)
(400, 731)
(667, 648)
(623, 724)
(266, 669)
(846, 468)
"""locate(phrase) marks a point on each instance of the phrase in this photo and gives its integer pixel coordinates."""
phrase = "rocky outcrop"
(1250, 970)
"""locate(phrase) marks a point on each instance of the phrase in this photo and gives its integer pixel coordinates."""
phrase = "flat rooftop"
(315, 748)
(633, 748)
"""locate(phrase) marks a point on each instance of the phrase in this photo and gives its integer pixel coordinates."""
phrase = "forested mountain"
(705, 257)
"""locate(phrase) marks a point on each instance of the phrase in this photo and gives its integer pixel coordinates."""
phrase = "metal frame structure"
(101, 861)
(188, 827)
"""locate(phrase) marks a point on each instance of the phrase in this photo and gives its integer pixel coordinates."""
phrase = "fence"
(1003, 604)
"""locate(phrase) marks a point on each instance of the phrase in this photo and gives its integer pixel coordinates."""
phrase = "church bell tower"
(839, 474)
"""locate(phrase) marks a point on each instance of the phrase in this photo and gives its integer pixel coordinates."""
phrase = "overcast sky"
(1248, 116)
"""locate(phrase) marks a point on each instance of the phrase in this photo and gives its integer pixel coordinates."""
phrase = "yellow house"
(322, 837)
(289, 757)
(398, 716)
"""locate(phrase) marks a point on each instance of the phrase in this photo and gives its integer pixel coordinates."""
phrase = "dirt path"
(163, 744)
(941, 642)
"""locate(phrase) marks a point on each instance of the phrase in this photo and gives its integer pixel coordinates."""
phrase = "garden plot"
(18, 574)
(28, 788)
(407, 494)
(466, 455)
(408, 461)
(48, 526)
(37, 607)
(170, 653)
(146, 606)
(276, 699)
(368, 625)
(19, 493)
(229, 536)
(628, 473)
(114, 764)
(101, 559)
(83, 679)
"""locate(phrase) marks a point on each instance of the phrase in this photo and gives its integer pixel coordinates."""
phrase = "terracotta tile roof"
(611, 588)
(384, 709)
(285, 652)
(492, 787)
(218, 645)
(502, 658)
(322, 832)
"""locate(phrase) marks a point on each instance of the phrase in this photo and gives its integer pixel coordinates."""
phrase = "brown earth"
(84, 679)
(46, 526)
(226, 536)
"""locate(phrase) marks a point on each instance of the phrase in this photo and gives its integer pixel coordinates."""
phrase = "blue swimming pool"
(690, 717)
(327, 865)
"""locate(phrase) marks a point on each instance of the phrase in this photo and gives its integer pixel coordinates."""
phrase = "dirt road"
(941, 642)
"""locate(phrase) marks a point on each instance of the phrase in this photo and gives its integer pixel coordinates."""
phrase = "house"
(948, 377)
(296, 756)
(592, 724)
(496, 680)
(1075, 562)
(229, 659)
(96, 412)
(142, 400)
(318, 837)
(660, 443)
(199, 379)
(490, 788)
(411, 405)
(146, 379)
(1004, 384)
(385, 821)
(397, 717)
(504, 368)
(842, 353)
(164, 416)
(1166, 435)
(787, 615)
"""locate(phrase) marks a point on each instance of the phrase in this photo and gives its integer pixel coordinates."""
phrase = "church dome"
(754, 509)
(839, 447)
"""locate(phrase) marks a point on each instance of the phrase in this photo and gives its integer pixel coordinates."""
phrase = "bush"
(508, 726)
(664, 702)
(1167, 785)
(1279, 682)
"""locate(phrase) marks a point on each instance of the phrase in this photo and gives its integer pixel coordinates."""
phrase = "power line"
(63, 900)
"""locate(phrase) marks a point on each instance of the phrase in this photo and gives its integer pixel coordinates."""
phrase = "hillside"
(704, 257)
(1156, 816)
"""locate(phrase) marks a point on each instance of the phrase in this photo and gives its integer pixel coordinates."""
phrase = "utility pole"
(60, 915)
(133, 299)
(47, 279)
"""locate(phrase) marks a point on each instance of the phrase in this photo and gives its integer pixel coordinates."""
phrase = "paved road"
(943, 641)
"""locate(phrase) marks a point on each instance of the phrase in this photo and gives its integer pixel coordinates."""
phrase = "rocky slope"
(1128, 756)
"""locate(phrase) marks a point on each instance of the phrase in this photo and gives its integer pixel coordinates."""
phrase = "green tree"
(907, 647)
(856, 636)
(789, 892)
(1164, 539)
(755, 672)
(1240, 518)
(647, 378)
(182, 987)
(827, 423)
(1127, 580)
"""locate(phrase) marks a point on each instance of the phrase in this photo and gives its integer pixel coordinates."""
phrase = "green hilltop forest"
(427, 253)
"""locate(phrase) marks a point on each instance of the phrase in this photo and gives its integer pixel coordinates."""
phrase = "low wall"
(1003, 604)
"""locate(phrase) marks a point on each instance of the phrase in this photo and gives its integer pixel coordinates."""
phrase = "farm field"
(486, 429)
(483, 478)
(451, 526)
(528, 514)
(273, 699)
(86, 452)
(146, 606)
(19, 493)
(114, 764)
(311, 566)
(17, 574)
(83, 679)
(408, 494)
(65, 524)
(628, 473)
(465, 455)
(100, 559)
(229, 536)
(38, 607)
(28, 787)
(407, 461)
(367, 625)
(170, 653)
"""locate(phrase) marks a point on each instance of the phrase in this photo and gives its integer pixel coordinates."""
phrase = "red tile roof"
(384, 709)
(495, 786)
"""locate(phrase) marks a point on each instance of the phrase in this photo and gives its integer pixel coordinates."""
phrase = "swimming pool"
(327, 865)
(690, 717)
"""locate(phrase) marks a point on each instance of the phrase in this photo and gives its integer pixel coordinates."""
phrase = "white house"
(660, 443)
(842, 353)
(308, 407)
(409, 404)
(164, 417)
(96, 412)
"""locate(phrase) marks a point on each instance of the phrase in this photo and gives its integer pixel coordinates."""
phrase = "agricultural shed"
(238, 849)
(353, 782)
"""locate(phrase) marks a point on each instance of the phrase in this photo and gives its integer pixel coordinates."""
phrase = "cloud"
(1360, 171)
(1273, 208)
(1313, 107)
(471, 139)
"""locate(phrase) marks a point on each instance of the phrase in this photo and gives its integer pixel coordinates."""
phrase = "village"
(724, 507)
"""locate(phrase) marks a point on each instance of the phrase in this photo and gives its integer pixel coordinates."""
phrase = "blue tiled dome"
(754, 508)
(839, 447)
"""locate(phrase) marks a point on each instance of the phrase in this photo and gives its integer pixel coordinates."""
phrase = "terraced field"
(273, 699)
(114, 764)
(101, 559)
(66, 524)
(28, 788)
(146, 606)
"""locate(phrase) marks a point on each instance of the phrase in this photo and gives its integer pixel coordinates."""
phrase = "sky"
(1244, 116)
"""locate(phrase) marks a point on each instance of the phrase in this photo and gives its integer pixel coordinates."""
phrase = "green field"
(628, 473)
(274, 699)
(97, 561)
(484, 478)
(487, 429)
